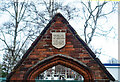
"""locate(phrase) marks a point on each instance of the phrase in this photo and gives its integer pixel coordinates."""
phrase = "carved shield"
(58, 39)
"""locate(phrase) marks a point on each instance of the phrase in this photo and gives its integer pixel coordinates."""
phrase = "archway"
(58, 73)
(59, 59)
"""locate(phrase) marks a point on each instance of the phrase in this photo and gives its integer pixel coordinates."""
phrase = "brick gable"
(75, 47)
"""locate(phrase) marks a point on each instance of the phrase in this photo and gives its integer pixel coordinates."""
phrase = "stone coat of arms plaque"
(58, 39)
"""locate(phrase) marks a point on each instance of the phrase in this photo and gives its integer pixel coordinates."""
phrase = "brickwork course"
(76, 55)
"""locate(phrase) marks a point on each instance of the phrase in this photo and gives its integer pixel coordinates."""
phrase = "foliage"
(2, 73)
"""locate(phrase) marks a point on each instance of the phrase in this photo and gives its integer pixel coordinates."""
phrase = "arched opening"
(60, 72)
(63, 60)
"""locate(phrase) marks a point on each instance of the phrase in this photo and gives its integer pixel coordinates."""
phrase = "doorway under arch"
(63, 60)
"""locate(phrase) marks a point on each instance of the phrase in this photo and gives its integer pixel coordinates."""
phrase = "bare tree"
(27, 19)
(113, 60)
(50, 8)
(92, 14)
(10, 33)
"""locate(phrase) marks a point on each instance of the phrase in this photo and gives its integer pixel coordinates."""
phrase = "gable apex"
(73, 43)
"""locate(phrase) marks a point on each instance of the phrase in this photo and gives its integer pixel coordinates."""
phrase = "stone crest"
(58, 39)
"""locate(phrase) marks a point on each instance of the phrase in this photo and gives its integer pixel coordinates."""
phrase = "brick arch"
(59, 59)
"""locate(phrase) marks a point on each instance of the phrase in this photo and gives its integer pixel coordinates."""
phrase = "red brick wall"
(72, 48)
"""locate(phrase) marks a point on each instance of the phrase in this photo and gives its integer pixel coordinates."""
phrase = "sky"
(109, 45)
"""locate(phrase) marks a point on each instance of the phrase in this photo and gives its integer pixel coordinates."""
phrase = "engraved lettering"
(58, 39)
